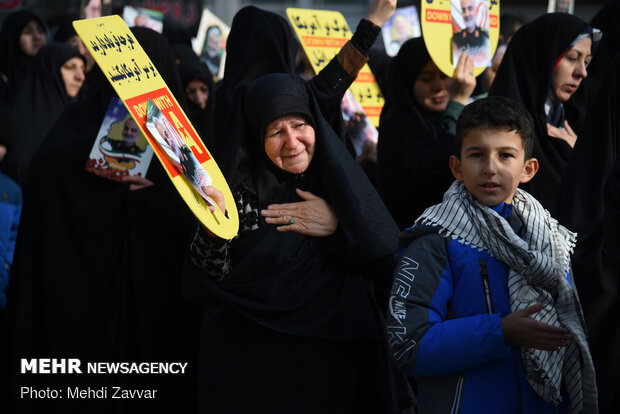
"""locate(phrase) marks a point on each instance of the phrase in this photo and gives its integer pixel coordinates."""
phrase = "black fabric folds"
(14, 63)
(38, 104)
(316, 295)
(259, 43)
(327, 299)
(525, 75)
(606, 20)
(590, 207)
(412, 170)
(65, 29)
(202, 119)
(184, 52)
(97, 270)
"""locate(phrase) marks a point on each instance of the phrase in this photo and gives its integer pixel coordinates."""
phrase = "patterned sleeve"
(212, 254)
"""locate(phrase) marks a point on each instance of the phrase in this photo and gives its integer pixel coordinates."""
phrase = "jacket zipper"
(486, 286)
(458, 394)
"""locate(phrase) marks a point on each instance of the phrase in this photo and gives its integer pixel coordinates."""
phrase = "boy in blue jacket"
(482, 311)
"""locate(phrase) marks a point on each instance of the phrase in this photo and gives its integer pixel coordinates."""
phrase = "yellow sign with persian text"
(136, 81)
(450, 27)
(322, 34)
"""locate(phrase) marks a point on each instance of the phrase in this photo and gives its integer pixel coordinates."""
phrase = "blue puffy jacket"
(444, 327)
(10, 210)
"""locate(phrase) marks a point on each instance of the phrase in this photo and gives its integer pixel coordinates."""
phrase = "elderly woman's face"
(571, 70)
(289, 143)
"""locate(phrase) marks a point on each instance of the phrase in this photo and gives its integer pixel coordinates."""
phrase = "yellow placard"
(438, 28)
(136, 79)
(322, 34)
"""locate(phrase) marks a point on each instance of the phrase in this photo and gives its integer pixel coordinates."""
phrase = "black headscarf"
(202, 119)
(525, 75)
(97, 268)
(176, 33)
(260, 42)
(331, 295)
(412, 170)
(65, 29)
(38, 104)
(14, 63)
(606, 20)
(184, 52)
(589, 207)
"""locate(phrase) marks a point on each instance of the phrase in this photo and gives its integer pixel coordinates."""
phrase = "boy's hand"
(380, 11)
(519, 329)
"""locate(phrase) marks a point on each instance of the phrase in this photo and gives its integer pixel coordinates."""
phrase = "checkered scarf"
(538, 265)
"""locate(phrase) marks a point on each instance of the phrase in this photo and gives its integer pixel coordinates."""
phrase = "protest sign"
(442, 20)
(322, 34)
(136, 80)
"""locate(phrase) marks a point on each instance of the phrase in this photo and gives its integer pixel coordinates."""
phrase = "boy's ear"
(455, 167)
(529, 170)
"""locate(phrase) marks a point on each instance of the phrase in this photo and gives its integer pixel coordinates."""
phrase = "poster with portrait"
(95, 8)
(137, 16)
(210, 43)
(136, 80)
(358, 126)
(402, 26)
(561, 6)
(177, 150)
(470, 25)
(120, 148)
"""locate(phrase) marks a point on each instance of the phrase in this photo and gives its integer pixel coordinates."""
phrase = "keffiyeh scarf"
(538, 263)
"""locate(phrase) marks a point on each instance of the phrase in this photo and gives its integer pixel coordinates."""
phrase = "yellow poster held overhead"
(139, 85)
(451, 27)
(322, 34)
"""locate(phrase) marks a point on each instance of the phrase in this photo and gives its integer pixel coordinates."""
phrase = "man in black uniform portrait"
(472, 39)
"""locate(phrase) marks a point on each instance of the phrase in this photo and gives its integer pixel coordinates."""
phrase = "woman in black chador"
(416, 133)
(54, 80)
(292, 324)
(97, 269)
(23, 33)
(544, 65)
(590, 205)
(199, 90)
(262, 42)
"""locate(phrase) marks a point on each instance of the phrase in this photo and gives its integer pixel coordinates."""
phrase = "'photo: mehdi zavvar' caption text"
(74, 366)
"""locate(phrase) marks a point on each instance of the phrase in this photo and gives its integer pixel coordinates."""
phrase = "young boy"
(481, 311)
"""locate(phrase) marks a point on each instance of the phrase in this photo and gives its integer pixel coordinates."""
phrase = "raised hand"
(380, 11)
(463, 83)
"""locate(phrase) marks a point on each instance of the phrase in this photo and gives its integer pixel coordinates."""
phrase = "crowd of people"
(469, 262)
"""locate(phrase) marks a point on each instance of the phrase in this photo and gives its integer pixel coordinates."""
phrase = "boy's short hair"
(496, 112)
